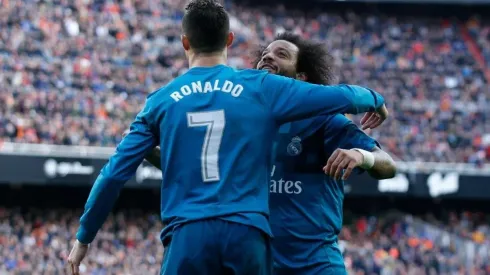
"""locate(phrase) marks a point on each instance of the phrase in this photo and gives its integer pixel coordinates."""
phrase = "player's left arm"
(351, 149)
(129, 154)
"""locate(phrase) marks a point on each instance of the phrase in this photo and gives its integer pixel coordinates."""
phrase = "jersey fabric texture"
(306, 205)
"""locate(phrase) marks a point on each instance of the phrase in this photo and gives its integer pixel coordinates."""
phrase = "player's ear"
(185, 42)
(301, 76)
(231, 37)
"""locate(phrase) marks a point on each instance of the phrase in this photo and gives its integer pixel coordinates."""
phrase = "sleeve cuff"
(84, 236)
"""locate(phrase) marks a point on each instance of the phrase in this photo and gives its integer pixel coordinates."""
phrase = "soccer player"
(306, 207)
(217, 126)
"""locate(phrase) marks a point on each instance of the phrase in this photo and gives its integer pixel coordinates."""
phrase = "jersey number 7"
(214, 121)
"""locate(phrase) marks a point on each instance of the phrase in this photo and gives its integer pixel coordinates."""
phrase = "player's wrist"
(81, 243)
(368, 158)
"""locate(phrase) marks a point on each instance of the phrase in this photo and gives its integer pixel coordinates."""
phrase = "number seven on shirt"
(214, 121)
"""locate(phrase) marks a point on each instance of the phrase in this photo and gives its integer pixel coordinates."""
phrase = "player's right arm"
(291, 99)
(350, 148)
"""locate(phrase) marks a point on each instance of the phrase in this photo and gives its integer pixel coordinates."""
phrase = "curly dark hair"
(314, 59)
(206, 24)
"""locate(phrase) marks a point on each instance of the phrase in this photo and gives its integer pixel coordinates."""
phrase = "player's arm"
(384, 166)
(153, 157)
(291, 99)
(119, 169)
(350, 148)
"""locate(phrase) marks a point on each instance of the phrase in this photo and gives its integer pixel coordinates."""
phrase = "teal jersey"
(215, 127)
(306, 205)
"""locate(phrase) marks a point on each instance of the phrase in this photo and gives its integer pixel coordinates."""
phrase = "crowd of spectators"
(76, 72)
(408, 245)
(479, 28)
(38, 242)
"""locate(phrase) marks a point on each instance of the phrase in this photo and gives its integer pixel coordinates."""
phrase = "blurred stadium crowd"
(76, 72)
(38, 242)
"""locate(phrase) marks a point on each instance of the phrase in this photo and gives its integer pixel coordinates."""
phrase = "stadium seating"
(40, 241)
(404, 244)
(129, 244)
(77, 74)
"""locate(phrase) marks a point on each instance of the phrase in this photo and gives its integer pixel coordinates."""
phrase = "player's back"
(216, 126)
(216, 136)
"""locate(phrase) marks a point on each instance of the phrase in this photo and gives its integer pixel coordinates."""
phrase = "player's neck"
(207, 60)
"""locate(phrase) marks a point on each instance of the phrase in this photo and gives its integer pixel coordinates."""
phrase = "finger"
(340, 168)
(373, 119)
(348, 171)
(366, 117)
(72, 267)
(370, 122)
(336, 159)
(77, 269)
(377, 123)
(330, 160)
(335, 166)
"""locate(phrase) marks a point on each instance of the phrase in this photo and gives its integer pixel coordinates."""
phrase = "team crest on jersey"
(294, 147)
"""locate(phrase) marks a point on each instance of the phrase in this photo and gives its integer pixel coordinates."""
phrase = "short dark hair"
(314, 59)
(206, 24)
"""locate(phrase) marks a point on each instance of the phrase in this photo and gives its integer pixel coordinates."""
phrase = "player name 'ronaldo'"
(197, 87)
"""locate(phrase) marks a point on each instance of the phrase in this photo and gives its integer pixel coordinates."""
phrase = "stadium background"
(73, 74)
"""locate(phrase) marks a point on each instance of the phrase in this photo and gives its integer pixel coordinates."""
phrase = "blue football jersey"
(305, 204)
(215, 127)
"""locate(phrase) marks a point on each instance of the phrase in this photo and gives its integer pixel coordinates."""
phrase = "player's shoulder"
(261, 75)
(250, 72)
(263, 79)
(156, 95)
(168, 88)
(253, 80)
